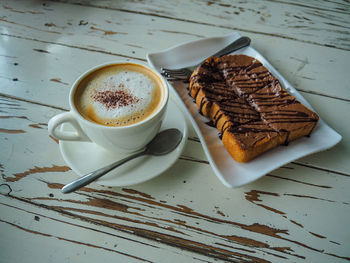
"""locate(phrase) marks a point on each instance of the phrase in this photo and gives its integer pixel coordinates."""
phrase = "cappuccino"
(119, 95)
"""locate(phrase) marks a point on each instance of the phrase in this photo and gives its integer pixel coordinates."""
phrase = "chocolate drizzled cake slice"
(248, 105)
(243, 132)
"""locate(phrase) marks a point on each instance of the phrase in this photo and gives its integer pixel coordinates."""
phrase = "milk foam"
(118, 96)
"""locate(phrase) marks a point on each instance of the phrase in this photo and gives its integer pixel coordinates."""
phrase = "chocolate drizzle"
(241, 96)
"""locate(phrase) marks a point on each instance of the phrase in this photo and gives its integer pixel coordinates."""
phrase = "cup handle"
(67, 117)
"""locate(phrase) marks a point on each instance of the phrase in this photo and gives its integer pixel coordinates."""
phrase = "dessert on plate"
(248, 105)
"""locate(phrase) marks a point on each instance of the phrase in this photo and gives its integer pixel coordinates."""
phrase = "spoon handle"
(90, 177)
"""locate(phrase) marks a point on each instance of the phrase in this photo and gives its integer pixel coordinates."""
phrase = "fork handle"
(235, 45)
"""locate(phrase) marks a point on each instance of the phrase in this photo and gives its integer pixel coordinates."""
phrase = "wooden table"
(297, 213)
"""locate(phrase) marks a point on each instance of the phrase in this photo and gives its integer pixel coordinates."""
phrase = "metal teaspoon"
(164, 142)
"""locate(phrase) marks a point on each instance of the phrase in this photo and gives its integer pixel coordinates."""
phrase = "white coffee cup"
(127, 138)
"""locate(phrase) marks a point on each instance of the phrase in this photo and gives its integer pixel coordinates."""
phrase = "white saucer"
(84, 157)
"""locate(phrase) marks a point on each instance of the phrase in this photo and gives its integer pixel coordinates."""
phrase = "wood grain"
(297, 213)
(302, 65)
(45, 227)
(305, 22)
(165, 210)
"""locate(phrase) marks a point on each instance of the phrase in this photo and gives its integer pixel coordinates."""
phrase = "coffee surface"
(119, 95)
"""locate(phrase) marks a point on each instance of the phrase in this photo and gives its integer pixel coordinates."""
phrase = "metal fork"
(185, 73)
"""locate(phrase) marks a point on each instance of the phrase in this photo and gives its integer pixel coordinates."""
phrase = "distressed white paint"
(44, 49)
(58, 26)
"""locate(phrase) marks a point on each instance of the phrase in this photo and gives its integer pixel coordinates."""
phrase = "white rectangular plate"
(231, 173)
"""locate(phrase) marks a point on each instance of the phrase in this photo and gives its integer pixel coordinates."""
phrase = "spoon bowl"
(164, 142)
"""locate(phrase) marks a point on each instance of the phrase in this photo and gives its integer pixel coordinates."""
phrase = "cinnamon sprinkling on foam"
(112, 99)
